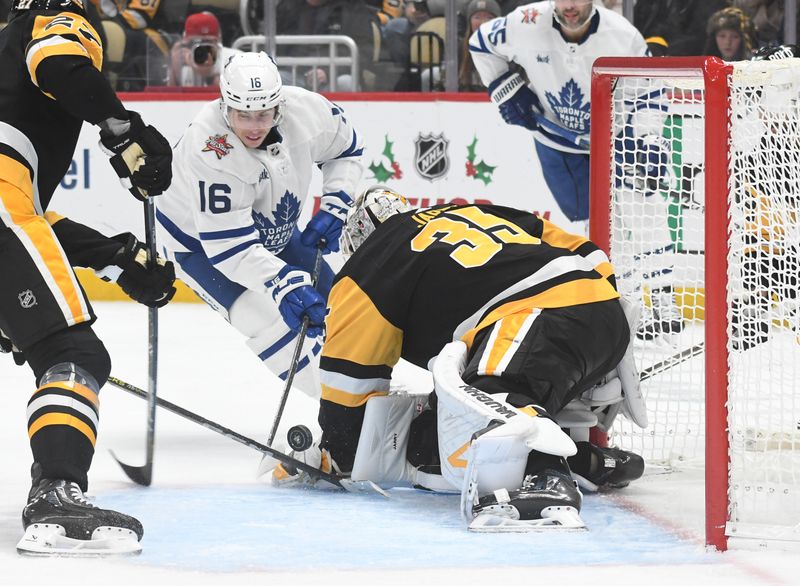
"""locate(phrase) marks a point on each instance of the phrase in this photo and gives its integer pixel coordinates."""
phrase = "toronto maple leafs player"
(554, 43)
(229, 222)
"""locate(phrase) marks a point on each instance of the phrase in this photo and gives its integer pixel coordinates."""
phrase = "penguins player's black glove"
(151, 284)
(140, 155)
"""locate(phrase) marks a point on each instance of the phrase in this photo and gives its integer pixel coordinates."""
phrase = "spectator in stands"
(397, 32)
(767, 18)
(352, 18)
(730, 35)
(197, 58)
(675, 27)
(478, 12)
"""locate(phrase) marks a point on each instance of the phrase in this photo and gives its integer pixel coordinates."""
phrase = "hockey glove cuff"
(296, 298)
(515, 100)
(151, 284)
(140, 155)
(285, 475)
(326, 225)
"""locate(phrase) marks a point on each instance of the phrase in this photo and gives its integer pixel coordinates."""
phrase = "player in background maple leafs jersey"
(242, 174)
(554, 43)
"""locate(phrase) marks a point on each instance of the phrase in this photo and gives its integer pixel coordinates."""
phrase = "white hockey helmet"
(373, 207)
(251, 82)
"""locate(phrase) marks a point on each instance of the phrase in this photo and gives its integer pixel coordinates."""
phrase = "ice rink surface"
(209, 520)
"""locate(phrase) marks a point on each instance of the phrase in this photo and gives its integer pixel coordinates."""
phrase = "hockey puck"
(299, 438)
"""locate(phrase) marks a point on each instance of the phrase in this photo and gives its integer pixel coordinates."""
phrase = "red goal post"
(707, 279)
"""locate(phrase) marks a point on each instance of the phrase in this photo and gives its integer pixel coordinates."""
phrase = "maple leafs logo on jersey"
(274, 235)
(218, 144)
(570, 108)
(480, 171)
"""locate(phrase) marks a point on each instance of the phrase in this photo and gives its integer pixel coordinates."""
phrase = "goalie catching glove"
(151, 284)
(140, 155)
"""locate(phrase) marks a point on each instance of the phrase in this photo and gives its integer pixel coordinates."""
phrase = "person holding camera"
(197, 58)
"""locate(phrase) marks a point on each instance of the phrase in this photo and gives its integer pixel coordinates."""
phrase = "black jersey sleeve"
(85, 246)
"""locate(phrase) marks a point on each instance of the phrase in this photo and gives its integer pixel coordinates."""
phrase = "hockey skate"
(59, 520)
(662, 316)
(595, 468)
(547, 500)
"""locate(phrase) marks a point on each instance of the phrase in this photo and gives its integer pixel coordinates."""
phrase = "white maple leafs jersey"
(239, 206)
(559, 72)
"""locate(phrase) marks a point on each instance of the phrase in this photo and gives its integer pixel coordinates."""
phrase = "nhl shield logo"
(26, 299)
(430, 158)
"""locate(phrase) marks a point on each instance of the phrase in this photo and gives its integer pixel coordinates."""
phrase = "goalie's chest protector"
(433, 272)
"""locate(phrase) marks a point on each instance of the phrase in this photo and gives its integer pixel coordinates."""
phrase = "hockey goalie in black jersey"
(50, 83)
(524, 332)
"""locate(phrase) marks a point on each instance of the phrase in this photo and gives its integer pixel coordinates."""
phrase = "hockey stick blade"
(229, 433)
(672, 361)
(142, 475)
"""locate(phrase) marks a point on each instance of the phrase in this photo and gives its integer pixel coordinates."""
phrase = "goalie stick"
(338, 481)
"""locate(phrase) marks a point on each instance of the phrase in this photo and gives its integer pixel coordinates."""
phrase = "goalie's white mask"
(372, 208)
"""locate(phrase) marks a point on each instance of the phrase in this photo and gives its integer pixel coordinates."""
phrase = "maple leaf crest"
(381, 172)
(570, 108)
(275, 234)
(482, 171)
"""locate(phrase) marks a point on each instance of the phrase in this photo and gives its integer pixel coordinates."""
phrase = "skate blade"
(42, 539)
(553, 519)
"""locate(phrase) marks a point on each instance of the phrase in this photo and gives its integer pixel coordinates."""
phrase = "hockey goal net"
(696, 197)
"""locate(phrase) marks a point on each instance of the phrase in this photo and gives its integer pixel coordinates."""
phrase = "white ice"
(208, 520)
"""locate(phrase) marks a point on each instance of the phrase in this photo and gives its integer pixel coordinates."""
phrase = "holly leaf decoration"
(483, 172)
(471, 150)
(381, 173)
(387, 148)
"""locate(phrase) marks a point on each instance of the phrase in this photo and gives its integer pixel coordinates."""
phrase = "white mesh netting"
(657, 248)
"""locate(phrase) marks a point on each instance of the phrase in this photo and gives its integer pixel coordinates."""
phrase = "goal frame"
(716, 75)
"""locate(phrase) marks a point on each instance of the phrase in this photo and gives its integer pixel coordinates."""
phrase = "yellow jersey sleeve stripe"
(356, 330)
(51, 47)
(504, 341)
(348, 399)
(74, 387)
(53, 217)
(555, 236)
(62, 419)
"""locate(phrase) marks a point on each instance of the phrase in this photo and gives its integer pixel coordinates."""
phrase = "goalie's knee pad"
(595, 468)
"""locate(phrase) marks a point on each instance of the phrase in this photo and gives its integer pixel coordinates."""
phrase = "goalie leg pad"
(381, 452)
(464, 410)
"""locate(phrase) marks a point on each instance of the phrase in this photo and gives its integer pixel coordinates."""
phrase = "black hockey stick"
(144, 474)
(673, 360)
(297, 350)
(229, 433)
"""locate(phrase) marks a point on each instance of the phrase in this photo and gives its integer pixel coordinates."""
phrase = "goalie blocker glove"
(151, 284)
(326, 226)
(140, 155)
(291, 289)
(515, 100)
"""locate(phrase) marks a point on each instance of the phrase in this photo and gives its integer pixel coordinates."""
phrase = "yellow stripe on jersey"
(157, 40)
(62, 419)
(19, 214)
(74, 387)
(348, 399)
(357, 331)
(555, 236)
(53, 217)
(505, 340)
(51, 38)
(564, 295)
(149, 7)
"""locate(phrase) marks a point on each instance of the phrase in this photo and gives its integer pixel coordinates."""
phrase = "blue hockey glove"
(296, 298)
(326, 225)
(644, 162)
(515, 100)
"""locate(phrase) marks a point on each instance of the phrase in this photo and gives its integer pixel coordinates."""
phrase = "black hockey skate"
(597, 468)
(58, 519)
(547, 500)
